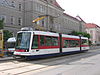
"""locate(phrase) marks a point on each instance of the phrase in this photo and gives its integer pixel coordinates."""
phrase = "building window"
(40, 8)
(3, 17)
(13, 4)
(43, 23)
(91, 33)
(51, 1)
(38, 22)
(45, 0)
(19, 21)
(20, 7)
(12, 20)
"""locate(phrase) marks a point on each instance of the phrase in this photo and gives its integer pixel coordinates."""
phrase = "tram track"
(45, 63)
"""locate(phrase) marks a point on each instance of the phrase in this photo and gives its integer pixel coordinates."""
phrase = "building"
(12, 13)
(21, 13)
(39, 8)
(71, 23)
(94, 31)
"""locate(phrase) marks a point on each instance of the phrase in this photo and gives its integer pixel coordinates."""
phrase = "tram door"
(1, 43)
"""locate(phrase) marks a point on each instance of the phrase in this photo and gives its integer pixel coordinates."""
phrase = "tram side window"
(54, 41)
(74, 43)
(84, 42)
(66, 43)
(77, 43)
(71, 43)
(35, 42)
(48, 41)
(42, 41)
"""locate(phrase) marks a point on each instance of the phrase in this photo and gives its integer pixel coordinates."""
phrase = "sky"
(88, 10)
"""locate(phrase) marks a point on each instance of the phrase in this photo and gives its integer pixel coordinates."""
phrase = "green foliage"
(90, 43)
(74, 33)
(1, 24)
(7, 34)
(80, 33)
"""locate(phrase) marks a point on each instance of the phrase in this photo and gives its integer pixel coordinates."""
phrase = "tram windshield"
(23, 40)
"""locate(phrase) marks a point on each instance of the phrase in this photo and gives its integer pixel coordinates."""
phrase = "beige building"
(21, 13)
(94, 31)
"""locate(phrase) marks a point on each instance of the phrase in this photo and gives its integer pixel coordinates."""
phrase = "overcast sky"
(88, 10)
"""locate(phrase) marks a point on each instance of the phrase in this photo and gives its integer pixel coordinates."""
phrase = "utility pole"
(24, 12)
(80, 30)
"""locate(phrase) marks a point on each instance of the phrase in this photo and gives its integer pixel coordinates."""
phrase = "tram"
(37, 44)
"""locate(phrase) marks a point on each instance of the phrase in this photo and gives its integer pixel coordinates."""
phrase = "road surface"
(87, 63)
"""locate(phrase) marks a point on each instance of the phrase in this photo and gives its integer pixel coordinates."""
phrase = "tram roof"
(46, 33)
(53, 34)
(72, 36)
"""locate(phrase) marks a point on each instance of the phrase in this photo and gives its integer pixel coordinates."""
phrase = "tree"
(7, 34)
(74, 33)
(80, 33)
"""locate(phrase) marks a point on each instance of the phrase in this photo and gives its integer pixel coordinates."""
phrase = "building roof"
(74, 17)
(56, 4)
(70, 16)
(91, 25)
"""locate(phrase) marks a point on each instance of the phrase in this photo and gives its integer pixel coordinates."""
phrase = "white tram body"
(39, 43)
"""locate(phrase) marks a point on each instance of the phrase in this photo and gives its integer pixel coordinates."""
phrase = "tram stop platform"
(6, 56)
